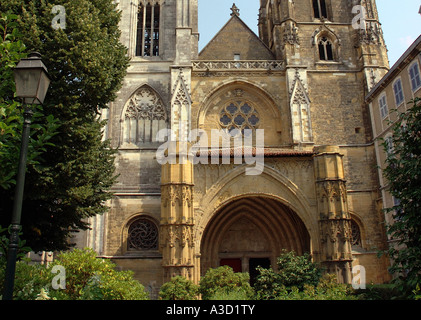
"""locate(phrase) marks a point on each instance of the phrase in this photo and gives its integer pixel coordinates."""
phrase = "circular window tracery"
(239, 115)
(142, 235)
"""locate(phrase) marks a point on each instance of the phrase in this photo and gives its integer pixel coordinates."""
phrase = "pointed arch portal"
(252, 231)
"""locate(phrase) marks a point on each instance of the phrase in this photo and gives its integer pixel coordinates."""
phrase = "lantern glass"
(31, 79)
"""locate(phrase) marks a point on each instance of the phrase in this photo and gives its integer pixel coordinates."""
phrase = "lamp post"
(32, 81)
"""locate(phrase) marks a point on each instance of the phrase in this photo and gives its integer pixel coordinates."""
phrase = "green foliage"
(327, 289)
(179, 288)
(223, 281)
(12, 49)
(30, 279)
(43, 128)
(379, 292)
(87, 64)
(90, 278)
(114, 286)
(403, 171)
(86, 278)
(4, 246)
(233, 294)
(293, 271)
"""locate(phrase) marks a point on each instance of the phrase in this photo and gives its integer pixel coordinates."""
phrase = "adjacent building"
(390, 97)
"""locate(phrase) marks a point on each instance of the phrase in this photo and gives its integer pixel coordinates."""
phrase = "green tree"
(85, 276)
(294, 271)
(12, 49)
(403, 171)
(223, 281)
(87, 64)
(179, 288)
(90, 278)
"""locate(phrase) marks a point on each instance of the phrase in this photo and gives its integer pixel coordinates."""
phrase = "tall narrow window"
(397, 88)
(147, 40)
(414, 73)
(320, 9)
(325, 49)
(384, 111)
(356, 234)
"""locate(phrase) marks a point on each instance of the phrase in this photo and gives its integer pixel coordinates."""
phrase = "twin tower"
(303, 80)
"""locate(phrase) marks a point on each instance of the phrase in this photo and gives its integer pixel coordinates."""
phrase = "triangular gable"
(236, 37)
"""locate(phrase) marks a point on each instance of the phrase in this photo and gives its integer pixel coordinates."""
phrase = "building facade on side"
(390, 97)
(303, 80)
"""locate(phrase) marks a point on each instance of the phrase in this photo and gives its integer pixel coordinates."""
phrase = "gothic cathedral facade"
(303, 81)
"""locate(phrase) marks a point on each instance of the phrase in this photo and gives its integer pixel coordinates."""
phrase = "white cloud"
(407, 41)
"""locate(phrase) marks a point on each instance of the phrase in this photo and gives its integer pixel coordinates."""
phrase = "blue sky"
(400, 20)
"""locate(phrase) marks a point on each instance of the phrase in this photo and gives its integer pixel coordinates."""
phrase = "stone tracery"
(144, 116)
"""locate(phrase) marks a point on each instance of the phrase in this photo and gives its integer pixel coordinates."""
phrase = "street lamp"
(32, 81)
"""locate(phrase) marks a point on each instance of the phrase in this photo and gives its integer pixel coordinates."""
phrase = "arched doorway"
(252, 231)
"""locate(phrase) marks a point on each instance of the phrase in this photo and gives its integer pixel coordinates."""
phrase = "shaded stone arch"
(253, 226)
(273, 184)
(238, 89)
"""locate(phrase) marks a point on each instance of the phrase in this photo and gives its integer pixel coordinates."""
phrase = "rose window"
(142, 235)
(239, 115)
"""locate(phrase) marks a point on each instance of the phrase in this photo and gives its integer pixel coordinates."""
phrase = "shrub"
(30, 280)
(114, 286)
(223, 281)
(327, 289)
(379, 292)
(179, 288)
(90, 278)
(293, 272)
(233, 294)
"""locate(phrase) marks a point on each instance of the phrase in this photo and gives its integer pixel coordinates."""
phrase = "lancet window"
(148, 24)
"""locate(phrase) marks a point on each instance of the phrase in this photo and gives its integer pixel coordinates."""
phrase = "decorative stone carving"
(290, 33)
(251, 65)
(144, 116)
(335, 220)
(300, 109)
(181, 109)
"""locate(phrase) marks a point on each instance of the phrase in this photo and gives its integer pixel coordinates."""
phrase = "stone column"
(177, 220)
(335, 220)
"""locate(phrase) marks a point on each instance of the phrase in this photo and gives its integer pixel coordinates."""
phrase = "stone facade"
(318, 191)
